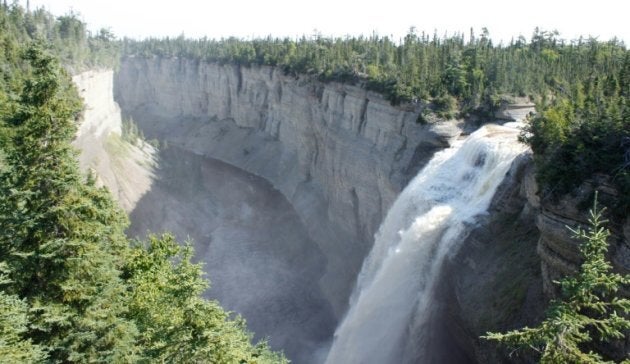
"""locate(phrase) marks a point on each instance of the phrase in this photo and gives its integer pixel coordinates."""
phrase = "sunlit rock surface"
(282, 182)
(338, 153)
(125, 168)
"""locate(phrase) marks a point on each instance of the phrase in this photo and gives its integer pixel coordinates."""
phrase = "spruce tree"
(14, 346)
(61, 238)
(176, 324)
(590, 308)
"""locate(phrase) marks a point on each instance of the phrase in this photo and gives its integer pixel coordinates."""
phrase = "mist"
(255, 249)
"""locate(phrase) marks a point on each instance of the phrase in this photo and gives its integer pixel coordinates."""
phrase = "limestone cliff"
(493, 283)
(339, 153)
(559, 250)
(503, 277)
(125, 169)
(254, 247)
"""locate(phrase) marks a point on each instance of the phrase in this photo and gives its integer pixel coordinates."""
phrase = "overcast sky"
(255, 18)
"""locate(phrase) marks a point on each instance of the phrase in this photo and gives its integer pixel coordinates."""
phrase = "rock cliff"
(504, 274)
(253, 245)
(493, 283)
(339, 153)
(126, 169)
(559, 250)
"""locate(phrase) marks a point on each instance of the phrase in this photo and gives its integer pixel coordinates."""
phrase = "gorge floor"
(255, 249)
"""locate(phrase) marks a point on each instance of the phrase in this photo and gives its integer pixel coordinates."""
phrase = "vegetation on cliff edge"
(73, 288)
(590, 308)
(580, 86)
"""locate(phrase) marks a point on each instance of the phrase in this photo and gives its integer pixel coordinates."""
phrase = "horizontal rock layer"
(557, 247)
(339, 153)
(559, 250)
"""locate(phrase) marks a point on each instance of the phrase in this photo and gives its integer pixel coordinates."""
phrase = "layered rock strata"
(558, 249)
(339, 153)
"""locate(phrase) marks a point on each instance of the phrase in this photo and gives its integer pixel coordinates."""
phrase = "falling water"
(427, 221)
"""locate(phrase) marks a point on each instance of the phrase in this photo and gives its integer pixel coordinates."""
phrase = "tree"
(62, 239)
(14, 347)
(176, 325)
(63, 253)
(590, 308)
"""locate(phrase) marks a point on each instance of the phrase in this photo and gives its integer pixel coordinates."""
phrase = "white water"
(427, 221)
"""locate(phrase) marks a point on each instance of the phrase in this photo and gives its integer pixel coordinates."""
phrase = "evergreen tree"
(590, 308)
(176, 325)
(59, 234)
(14, 346)
(63, 295)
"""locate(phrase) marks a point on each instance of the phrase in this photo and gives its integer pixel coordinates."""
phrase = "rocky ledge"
(559, 250)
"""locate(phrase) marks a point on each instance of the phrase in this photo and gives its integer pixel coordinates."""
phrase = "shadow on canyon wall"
(255, 249)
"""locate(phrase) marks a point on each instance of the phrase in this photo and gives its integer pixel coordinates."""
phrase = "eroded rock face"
(102, 114)
(125, 168)
(254, 248)
(559, 250)
(503, 276)
(339, 153)
(515, 111)
(493, 283)
(252, 244)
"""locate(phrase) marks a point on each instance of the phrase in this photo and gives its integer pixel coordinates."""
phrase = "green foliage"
(67, 35)
(587, 133)
(72, 287)
(591, 307)
(582, 86)
(445, 106)
(73, 290)
(130, 132)
(417, 67)
(61, 238)
(14, 347)
(175, 323)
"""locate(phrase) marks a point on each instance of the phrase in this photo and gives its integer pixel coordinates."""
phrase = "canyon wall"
(252, 244)
(506, 271)
(494, 283)
(559, 250)
(125, 168)
(339, 153)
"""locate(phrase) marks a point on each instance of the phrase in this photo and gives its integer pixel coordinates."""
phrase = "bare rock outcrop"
(515, 111)
(339, 153)
(126, 169)
(504, 275)
(559, 250)
(493, 283)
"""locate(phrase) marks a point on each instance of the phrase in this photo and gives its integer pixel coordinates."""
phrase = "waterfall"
(393, 294)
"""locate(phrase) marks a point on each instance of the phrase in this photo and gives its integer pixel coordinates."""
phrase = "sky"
(258, 18)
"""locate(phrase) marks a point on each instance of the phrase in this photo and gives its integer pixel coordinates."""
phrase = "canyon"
(281, 183)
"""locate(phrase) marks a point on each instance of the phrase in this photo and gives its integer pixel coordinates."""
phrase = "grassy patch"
(115, 146)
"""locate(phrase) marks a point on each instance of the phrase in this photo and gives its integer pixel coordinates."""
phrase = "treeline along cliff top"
(74, 288)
